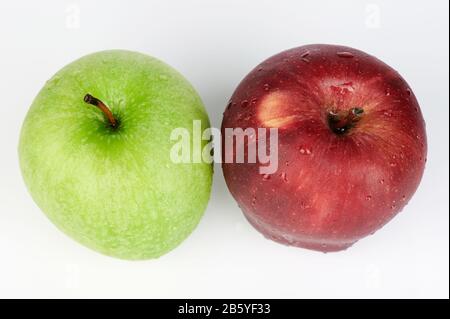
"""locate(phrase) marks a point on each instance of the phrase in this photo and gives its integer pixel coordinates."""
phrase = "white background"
(215, 44)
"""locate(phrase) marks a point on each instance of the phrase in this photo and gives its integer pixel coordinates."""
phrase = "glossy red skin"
(330, 190)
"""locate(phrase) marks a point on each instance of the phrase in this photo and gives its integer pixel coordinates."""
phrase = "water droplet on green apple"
(53, 81)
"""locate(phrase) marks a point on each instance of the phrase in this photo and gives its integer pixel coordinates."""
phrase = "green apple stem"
(96, 102)
(341, 122)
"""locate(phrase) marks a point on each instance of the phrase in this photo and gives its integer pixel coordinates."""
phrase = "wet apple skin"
(116, 189)
(330, 189)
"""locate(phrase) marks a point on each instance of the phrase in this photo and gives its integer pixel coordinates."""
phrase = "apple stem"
(96, 102)
(342, 121)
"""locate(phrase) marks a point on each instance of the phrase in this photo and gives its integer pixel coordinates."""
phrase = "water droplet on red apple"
(381, 181)
(345, 54)
(305, 54)
(304, 205)
(388, 92)
(266, 177)
(305, 60)
(305, 150)
(394, 204)
(254, 100)
(244, 103)
(408, 91)
(284, 176)
(392, 164)
(387, 113)
(369, 197)
(260, 69)
(266, 87)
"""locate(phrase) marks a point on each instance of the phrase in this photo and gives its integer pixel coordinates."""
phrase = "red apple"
(351, 146)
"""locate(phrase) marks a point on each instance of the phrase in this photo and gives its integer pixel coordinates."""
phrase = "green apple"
(95, 154)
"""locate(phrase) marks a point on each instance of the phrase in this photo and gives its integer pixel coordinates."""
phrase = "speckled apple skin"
(330, 190)
(117, 192)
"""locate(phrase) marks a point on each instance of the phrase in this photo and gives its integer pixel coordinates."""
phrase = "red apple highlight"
(351, 150)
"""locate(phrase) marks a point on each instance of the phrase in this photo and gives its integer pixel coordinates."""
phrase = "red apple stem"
(96, 102)
(342, 121)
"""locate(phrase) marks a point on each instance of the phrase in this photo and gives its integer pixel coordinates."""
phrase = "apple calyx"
(341, 122)
(108, 114)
